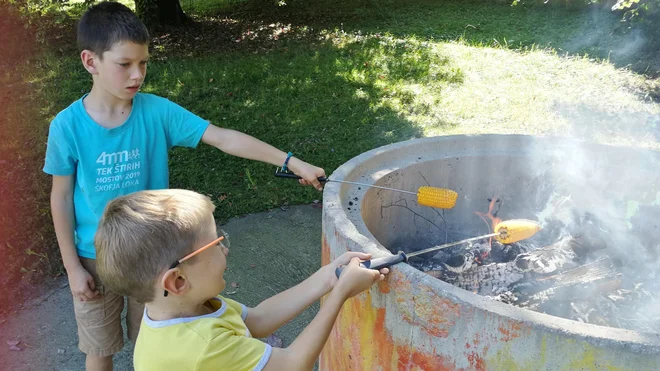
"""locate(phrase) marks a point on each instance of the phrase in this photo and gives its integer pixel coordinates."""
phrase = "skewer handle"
(378, 263)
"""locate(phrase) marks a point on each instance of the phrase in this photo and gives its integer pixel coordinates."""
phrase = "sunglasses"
(222, 240)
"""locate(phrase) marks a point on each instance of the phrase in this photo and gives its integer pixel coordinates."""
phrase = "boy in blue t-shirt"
(114, 141)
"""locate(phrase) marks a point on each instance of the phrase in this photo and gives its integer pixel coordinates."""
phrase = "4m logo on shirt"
(109, 159)
(118, 170)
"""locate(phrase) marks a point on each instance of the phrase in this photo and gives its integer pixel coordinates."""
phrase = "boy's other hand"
(342, 259)
(354, 279)
(82, 284)
(309, 173)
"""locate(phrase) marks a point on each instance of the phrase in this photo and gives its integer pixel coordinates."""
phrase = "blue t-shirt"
(109, 163)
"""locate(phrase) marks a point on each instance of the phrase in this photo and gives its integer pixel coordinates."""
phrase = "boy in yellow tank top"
(162, 248)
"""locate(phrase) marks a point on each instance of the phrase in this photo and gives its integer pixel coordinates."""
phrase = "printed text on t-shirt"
(117, 170)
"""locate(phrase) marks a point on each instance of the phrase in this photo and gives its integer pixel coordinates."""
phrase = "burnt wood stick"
(600, 269)
(585, 273)
(526, 268)
(497, 277)
(550, 300)
(485, 279)
(584, 281)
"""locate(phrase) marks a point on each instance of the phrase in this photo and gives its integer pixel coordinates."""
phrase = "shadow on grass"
(324, 102)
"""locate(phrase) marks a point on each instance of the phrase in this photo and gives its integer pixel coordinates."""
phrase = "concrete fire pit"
(413, 321)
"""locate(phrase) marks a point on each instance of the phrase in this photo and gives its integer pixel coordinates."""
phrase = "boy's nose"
(137, 75)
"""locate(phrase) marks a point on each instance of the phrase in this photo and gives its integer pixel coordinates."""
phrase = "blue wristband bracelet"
(286, 162)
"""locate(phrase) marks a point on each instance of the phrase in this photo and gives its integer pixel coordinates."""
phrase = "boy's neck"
(101, 101)
(162, 309)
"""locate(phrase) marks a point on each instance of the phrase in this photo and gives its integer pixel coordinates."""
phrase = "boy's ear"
(89, 61)
(174, 282)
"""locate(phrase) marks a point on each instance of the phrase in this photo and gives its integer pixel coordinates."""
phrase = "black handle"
(378, 263)
(283, 174)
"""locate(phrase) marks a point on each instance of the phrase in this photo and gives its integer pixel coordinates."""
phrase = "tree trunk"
(161, 13)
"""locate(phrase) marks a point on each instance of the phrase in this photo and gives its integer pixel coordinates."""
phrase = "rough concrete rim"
(334, 208)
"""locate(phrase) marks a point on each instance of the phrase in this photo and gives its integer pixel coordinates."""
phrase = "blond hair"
(141, 234)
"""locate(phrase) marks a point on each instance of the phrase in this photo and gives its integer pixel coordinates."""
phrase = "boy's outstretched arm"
(276, 311)
(242, 145)
(305, 350)
(61, 204)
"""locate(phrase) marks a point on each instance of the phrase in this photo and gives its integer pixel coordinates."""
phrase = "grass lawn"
(328, 94)
(330, 82)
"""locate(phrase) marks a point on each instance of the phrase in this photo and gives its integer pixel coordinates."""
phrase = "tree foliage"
(152, 12)
(156, 13)
(640, 12)
(634, 14)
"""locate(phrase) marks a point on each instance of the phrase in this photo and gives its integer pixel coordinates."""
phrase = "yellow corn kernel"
(515, 230)
(436, 197)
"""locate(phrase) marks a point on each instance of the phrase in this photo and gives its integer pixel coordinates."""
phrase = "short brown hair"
(108, 23)
(141, 234)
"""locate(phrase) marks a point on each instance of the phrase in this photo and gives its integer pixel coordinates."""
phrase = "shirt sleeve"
(231, 352)
(238, 307)
(60, 158)
(184, 128)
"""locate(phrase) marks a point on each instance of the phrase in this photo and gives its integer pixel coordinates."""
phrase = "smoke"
(609, 196)
(604, 30)
(634, 43)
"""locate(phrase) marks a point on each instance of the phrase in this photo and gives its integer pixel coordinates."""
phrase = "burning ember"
(575, 273)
